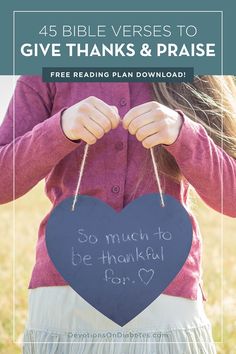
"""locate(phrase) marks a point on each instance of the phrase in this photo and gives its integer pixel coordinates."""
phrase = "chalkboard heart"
(119, 262)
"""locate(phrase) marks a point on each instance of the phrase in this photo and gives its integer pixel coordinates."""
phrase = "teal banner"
(118, 38)
(117, 74)
(159, 35)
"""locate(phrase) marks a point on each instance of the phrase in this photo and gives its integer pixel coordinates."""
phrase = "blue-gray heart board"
(119, 262)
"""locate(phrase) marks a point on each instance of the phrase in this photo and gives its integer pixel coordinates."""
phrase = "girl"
(192, 129)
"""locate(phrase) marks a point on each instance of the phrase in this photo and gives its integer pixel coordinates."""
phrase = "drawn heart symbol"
(119, 262)
(145, 275)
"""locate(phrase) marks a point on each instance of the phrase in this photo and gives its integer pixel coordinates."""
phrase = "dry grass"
(29, 212)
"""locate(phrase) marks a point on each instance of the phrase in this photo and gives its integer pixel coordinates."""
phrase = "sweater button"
(119, 145)
(115, 189)
(123, 102)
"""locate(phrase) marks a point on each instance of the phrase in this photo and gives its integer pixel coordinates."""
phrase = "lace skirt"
(62, 322)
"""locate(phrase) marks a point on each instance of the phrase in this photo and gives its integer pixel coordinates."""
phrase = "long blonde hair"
(208, 100)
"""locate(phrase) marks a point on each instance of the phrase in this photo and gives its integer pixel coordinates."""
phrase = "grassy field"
(29, 212)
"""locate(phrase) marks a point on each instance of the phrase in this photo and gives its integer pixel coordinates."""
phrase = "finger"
(113, 116)
(99, 118)
(104, 108)
(88, 137)
(153, 140)
(137, 111)
(93, 127)
(148, 130)
(115, 109)
(141, 121)
(118, 115)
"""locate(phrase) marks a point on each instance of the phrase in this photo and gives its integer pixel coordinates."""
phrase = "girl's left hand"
(153, 124)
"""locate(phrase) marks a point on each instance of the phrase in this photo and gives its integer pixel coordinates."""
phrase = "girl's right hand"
(89, 120)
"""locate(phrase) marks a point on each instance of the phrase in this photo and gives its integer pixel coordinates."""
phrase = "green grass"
(29, 212)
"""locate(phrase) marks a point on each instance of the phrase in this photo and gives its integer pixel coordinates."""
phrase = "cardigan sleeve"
(206, 166)
(31, 140)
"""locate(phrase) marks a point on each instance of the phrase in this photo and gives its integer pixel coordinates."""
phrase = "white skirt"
(61, 322)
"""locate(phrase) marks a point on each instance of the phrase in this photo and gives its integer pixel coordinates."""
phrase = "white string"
(157, 177)
(80, 176)
(82, 170)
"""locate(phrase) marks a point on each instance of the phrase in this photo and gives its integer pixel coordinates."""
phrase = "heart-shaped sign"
(119, 262)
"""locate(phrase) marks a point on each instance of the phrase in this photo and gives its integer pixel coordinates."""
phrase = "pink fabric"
(118, 168)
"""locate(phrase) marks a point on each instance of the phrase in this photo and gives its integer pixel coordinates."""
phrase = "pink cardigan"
(114, 165)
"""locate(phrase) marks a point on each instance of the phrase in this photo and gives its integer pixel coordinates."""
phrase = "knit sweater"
(118, 168)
